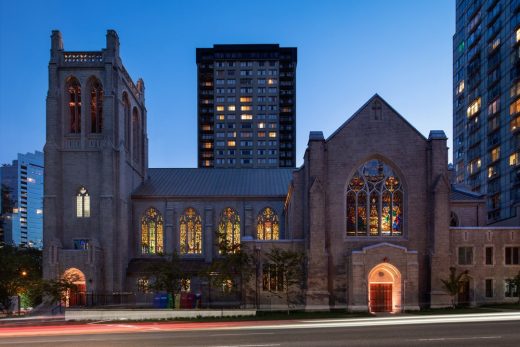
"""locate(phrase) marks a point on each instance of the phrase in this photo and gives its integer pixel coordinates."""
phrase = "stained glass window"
(267, 227)
(374, 201)
(96, 107)
(190, 225)
(82, 203)
(74, 91)
(229, 229)
(152, 232)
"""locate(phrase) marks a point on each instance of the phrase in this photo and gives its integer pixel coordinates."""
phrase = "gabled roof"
(375, 96)
(270, 182)
(460, 192)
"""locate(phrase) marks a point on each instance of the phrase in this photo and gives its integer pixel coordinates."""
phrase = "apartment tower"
(486, 104)
(246, 106)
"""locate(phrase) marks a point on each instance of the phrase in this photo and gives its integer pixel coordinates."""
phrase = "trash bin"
(157, 300)
(163, 300)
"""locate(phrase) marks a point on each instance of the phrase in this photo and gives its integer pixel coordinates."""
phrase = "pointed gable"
(374, 113)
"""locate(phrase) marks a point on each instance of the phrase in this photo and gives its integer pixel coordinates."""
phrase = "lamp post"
(257, 261)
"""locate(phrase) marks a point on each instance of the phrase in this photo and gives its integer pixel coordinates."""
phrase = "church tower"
(96, 154)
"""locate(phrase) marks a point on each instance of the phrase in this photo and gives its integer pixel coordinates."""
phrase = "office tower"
(486, 104)
(22, 200)
(246, 106)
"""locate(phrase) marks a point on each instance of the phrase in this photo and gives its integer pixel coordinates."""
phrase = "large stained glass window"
(374, 201)
(229, 230)
(152, 232)
(74, 99)
(96, 107)
(190, 225)
(267, 226)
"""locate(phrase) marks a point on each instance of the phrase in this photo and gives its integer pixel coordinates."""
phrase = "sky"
(347, 52)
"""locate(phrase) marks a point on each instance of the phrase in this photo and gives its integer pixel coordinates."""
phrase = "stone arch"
(384, 289)
(75, 296)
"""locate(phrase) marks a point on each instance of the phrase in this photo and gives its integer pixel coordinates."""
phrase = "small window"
(272, 278)
(489, 255)
(81, 244)
(489, 288)
(82, 203)
(143, 285)
(512, 256)
(511, 290)
(465, 255)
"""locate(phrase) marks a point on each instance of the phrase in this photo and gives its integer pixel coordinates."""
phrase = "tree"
(515, 283)
(287, 266)
(455, 283)
(168, 275)
(56, 290)
(20, 271)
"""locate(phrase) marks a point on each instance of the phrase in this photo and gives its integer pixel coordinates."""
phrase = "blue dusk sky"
(347, 51)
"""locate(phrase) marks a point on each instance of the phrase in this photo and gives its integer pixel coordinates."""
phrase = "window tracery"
(96, 107)
(190, 225)
(74, 91)
(267, 226)
(152, 232)
(82, 203)
(229, 229)
(374, 201)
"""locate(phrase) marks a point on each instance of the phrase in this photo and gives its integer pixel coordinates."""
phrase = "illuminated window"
(221, 117)
(96, 107)
(246, 116)
(495, 154)
(207, 145)
(190, 226)
(261, 125)
(143, 285)
(261, 134)
(514, 108)
(271, 81)
(229, 230)
(492, 171)
(515, 124)
(267, 225)
(272, 278)
(126, 109)
(517, 34)
(246, 99)
(515, 90)
(231, 143)
(74, 91)
(374, 201)
(220, 108)
(474, 107)
(246, 108)
(474, 166)
(513, 159)
(272, 134)
(39, 211)
(185, 285)
(152, 232)
(82, 203)
(231, 107)
(494, 107)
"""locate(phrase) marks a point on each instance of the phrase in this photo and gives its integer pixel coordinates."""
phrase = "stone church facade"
(372, 206)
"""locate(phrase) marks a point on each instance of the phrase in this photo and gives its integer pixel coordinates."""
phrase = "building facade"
(246, 106)
(372, 207)
(486, 104)
(22, 205)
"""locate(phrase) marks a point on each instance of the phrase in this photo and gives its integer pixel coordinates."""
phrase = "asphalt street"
(459, 331)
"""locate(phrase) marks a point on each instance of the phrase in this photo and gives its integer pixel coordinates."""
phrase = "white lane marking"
(242, 334)
(461, 338)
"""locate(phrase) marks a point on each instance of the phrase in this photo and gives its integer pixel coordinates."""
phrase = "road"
(502, 329)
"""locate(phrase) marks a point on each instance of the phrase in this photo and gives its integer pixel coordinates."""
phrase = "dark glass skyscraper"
(246, 106)
(486, 103)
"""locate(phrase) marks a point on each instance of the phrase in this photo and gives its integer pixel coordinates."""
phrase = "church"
(372, 208)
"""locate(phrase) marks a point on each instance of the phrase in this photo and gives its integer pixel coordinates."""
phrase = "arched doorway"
(75, 296)
(384, 289)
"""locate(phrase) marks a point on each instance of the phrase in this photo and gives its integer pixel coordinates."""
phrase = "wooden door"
(381, 297)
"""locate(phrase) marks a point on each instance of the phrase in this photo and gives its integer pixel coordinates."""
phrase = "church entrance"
(384, 289)
(75, 296)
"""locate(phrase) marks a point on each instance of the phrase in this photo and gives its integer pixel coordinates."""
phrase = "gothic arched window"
(127, 120)
(82, 203)
(374, 201)
(190, 226)
(74, 91)
(136, 138)
(267, 226)
(152, 232)
(229, 230)
(96, 107)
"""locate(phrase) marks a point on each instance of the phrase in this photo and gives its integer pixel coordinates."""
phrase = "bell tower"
(96, 154)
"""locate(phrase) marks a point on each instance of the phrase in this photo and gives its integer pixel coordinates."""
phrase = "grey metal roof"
(461, 192)
(215, 183)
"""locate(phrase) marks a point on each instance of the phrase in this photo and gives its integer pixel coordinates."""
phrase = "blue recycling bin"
(160, 300)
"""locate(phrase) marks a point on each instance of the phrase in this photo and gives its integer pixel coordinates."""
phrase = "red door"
(381, 297)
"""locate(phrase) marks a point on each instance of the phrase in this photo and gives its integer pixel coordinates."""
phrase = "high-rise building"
(486, 104)
(22, 201)
(246, 106)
